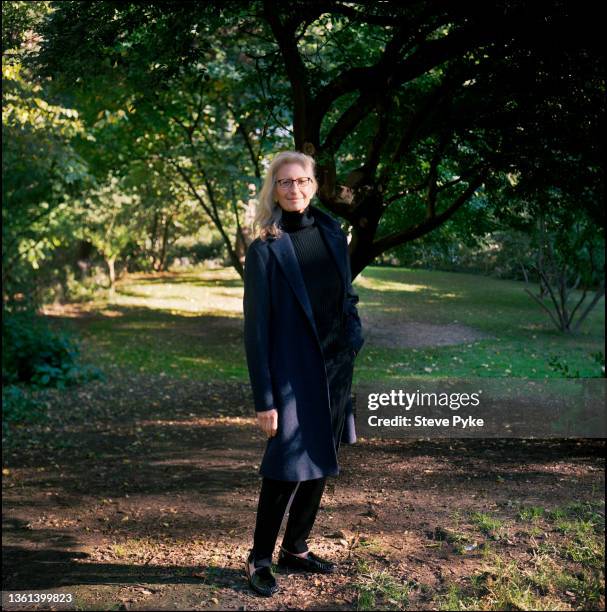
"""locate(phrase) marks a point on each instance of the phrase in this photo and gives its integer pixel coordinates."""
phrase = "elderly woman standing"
(302, 333)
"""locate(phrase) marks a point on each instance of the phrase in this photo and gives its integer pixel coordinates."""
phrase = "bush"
(497, 254)
(36, 355)
(18, 406)
(198, 252)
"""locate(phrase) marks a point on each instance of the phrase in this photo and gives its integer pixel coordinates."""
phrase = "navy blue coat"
(284, 356)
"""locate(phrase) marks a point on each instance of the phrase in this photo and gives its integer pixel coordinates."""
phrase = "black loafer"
(311, 563)
(262, 580)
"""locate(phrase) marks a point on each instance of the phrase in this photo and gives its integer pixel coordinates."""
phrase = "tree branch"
(406, 235)
(600, 292)
(294, 66)
(428, 55)
(241, 129)
(541, 303)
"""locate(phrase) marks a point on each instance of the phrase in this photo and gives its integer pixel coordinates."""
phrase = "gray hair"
(268, 212)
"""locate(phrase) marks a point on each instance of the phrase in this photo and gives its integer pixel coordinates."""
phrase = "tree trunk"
(111, 270)
(153, 240)
(363, 232)
(165, 241)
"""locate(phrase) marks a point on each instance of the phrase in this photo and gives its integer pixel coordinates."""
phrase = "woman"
(302, 333)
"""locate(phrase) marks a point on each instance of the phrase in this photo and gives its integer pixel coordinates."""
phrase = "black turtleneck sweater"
(321, 277)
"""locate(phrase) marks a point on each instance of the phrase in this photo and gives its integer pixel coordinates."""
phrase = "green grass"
(378, 589)
(505, 587)
(522, 343)
(368, 545)
(564, 572)
(488, 525)
(544, 586)
(162, 343)
(531, 513)
(190, 325)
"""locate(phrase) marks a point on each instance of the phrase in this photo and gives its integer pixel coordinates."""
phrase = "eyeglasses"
(286, 184)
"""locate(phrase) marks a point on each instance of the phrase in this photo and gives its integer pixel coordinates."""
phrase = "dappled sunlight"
(377, 284)
(218, 421)
(200, 301)
(79, 310)
(194, 360)
(145, 325)
(450, 295)
(414, 322)
(218, 275)
(106, 312)
(210, 291)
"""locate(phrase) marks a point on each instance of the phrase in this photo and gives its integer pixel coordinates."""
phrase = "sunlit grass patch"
(373, 283)
(204, 310)
(136, 549)
(367, 544)
(490, 526)
(581, 510)
(542, 585)
(120, 550)
(531, 513)
(217, 291)
(564, 571)
(378, 589)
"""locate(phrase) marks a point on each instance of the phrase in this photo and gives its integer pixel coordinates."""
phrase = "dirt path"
(140, 493)
(394, 332)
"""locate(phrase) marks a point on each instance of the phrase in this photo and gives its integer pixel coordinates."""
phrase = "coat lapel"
(285, 255)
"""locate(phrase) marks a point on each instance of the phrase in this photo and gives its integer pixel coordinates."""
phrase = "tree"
(453, 87)
(422, 103)
(175, 115)
(41, 173)
(164, 213)
(108, 222)
(567, 243)
(41, 169)
(570, 258)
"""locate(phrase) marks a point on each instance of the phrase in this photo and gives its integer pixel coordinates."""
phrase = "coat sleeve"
(353, 324)
(256, 307)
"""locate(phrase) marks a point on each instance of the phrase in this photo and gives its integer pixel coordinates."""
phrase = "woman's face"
(293, 197)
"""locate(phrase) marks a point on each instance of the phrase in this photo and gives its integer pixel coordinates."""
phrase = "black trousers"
(300, 499)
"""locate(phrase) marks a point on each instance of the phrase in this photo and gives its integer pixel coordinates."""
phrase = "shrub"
(18, 406)
(34, 354)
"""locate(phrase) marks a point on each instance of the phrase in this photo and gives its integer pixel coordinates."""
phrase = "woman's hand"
(268, 421)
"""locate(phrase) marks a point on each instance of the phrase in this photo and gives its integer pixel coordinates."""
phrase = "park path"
(140, 493)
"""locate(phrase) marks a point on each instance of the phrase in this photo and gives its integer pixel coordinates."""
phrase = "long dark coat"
(284, 357)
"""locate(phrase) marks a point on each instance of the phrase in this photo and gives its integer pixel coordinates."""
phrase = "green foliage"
(599, 358)
(20, 19)
(560, 366)
(566, 239)
(202, 92)
(35, 354)
(41, 172)
(531, 513)
(109, 219)
(186, 100)
(199, 251)
(18, 406)
(452, 247)
(174, 108)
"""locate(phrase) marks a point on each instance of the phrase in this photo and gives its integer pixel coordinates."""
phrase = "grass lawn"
(521, 341)
(190, 324)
